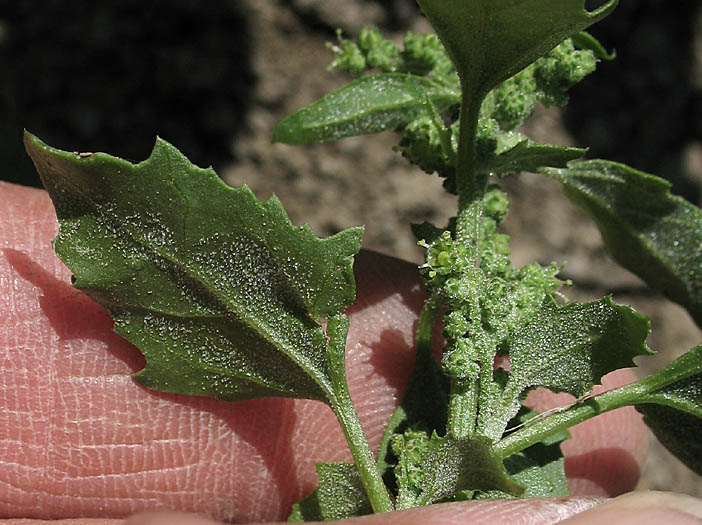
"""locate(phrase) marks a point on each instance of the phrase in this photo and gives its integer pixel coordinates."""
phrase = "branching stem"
(628, 395)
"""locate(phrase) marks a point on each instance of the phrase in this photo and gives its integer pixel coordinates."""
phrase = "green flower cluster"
(508, 106)
(409, 447)
(420, 54)
(545, 81)
(488, 299)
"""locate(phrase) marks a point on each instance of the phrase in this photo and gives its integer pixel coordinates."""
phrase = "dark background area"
(645, 107)
(112, 76)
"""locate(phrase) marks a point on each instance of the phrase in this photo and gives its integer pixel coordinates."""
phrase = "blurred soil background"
(214, 78)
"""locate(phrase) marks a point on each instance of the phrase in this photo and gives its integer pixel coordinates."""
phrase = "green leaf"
(220, 292)
(369, 104)
(435, 469)
(673, 409)
(677, 431)
(650, 232)
(678, 385)
(338, 496)
(540, 467)
(569, 348)
(543, 477)
(450, 466)
(491, 40)
(528, 156)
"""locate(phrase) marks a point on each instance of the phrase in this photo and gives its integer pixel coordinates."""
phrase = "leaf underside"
(491, 40)
(543, 471)
(339, 495)
(220, 292)
(369, 104)
(569, 349)
(656, 235)
(540, 468)
(528, 156)
(450, 466)
(674, 411)
(677, 431)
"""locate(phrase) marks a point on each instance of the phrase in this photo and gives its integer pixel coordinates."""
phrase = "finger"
(643, 508)
(504, 512)
(639, 508)
(84, 439)
(169, 518)
(79, 438)
(71, 521)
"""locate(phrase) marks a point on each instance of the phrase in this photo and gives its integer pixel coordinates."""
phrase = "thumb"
(643, 508)
(637, 508)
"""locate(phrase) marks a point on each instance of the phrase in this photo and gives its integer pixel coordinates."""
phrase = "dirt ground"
(362, 181)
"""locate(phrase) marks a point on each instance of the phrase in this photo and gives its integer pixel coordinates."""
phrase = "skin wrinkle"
(15, 229)
(46, 470)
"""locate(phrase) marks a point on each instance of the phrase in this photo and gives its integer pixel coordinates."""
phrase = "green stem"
(562, 419)
(425, 387)
(486, 396)
(470, 185)
(425, 328)
(462, 409)
(337, 329)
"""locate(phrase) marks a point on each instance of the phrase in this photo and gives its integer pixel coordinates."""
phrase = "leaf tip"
(28, 136)
(32, 142)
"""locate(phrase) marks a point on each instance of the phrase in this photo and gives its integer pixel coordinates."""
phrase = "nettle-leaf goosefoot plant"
(226, 298)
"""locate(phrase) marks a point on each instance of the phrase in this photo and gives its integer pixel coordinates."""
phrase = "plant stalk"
(462, 408)
(562, 419)
(425, 328)
(470, 185)
(337, 329)
(426, 383)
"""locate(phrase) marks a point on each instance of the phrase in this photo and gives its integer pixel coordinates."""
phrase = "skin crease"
(80, 441)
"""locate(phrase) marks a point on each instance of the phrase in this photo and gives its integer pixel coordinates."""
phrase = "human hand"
(80, 439)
